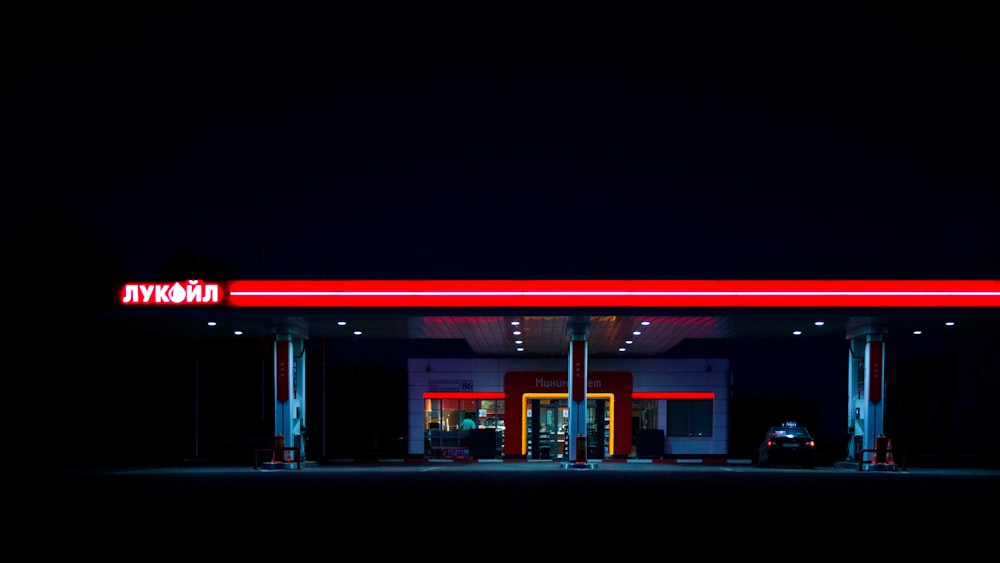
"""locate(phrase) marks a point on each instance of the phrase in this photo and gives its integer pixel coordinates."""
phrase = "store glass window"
(643, 414)
(443, 416)
(689, 418)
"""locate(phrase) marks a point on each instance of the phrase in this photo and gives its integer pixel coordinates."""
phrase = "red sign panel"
(190, 292)
(282, 366)
(579, 367)
(875, 371)
(517, 383)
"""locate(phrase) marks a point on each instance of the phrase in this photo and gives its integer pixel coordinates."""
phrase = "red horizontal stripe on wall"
(673, 395)
(464, 395)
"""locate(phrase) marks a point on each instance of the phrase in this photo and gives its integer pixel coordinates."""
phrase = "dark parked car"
(788, 444)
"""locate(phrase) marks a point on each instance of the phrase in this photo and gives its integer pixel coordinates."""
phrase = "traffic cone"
(888, 454)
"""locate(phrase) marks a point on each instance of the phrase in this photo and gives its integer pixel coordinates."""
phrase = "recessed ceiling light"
(517, 333)
(621, 349)
(520, 349)
(819, 323)
(629, 341)
(341, 323)
(636, 332)
(644, 323)
(211, 323)
(949, 323)
(518, 342)
(796, 332)
(357, 333)
(515, 323)
(238, 332)
(918, 332)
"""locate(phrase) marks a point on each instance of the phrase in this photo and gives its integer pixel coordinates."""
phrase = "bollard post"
(881, 447)
(278, 455)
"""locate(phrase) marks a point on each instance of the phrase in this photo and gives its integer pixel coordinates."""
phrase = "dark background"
(693, 142)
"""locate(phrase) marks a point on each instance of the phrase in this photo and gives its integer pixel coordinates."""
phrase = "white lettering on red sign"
(192, 292)
(541, 383)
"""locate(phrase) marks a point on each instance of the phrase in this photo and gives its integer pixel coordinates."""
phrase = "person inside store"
(468, 423)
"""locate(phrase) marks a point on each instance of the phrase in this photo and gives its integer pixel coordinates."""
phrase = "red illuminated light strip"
(463, 395)
(673, 395)
(636, 395)
(613, 293)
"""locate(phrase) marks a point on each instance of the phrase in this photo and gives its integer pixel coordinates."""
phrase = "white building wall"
(689, 375)
(648, 375)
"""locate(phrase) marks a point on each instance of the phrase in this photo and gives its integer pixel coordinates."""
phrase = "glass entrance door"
(598, 428)
(546, 424)
(547, 420)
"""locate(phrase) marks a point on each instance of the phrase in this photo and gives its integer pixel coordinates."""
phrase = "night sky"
(694, 142)
(750, 142)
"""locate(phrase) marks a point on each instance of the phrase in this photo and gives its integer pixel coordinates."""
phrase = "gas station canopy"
(532, 317)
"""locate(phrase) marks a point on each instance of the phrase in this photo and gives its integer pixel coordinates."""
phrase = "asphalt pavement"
(505, 507)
